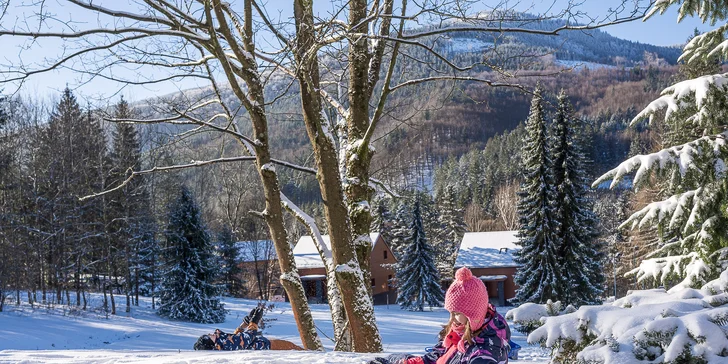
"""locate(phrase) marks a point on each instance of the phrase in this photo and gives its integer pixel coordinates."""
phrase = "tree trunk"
(259, 279)
(358, 155)
(68, 293)
(128, 283)
(342, 331)
(154, 276)
(136, 285)
(2, 294)
(254, 102)
(290, 279)
(354, 291)
(113, 300)
(106, 300)
(78, 281)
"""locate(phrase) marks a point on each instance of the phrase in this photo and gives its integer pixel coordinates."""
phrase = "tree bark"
(354, 290)
(358, 156)
(254, 102)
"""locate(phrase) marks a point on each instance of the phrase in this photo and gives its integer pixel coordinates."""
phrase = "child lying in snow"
(475, 334)
(246, 336)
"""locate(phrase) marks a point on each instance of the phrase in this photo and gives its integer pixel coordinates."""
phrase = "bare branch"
(167, 169)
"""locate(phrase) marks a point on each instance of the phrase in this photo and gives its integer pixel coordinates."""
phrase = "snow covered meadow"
(57, 335)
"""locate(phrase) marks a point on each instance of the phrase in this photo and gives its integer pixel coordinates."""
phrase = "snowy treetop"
(307, 256)
(488, 249)
(256, 250)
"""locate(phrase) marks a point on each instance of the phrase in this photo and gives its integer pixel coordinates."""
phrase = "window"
(385, 254)
(373, 282)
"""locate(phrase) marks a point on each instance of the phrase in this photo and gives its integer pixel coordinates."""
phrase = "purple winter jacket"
(490, 345)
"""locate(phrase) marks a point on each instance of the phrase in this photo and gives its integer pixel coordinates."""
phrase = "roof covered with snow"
(256, 250)
(307, 256)
(491, 249)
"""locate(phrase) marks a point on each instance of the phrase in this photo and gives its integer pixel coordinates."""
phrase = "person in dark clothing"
(475, 334)
(246, 336)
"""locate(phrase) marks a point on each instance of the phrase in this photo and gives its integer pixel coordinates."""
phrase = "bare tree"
(505, 201)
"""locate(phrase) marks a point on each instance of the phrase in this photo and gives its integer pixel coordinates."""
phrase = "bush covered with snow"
(527, 317)
(682, 325)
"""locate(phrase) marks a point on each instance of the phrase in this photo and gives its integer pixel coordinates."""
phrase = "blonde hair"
(468, 334)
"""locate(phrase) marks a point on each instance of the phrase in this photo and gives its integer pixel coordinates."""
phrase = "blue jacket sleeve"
(437, 351)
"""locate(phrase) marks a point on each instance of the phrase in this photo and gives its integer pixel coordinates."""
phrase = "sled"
(278, 344)
(513, 353)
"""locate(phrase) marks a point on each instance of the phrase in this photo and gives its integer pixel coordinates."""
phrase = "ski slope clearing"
(59, 335)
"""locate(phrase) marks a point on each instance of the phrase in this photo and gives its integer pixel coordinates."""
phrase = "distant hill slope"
(595, 46)
(459, 117)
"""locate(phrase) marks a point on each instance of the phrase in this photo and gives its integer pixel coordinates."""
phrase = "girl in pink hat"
(475, 334)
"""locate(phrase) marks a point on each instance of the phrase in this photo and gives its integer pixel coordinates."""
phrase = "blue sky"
(658, 30)
(663, 30)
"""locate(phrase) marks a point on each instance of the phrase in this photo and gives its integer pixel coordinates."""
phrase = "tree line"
(57, 242)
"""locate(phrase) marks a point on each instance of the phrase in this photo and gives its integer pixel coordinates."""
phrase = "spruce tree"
(539, 278)
(419, 280)
(580, 253)
(229, 268)
(452, 229)
(399, 233)
(381, 216)
(187, 290)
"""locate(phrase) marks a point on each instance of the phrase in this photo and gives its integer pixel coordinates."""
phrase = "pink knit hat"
(468, 295)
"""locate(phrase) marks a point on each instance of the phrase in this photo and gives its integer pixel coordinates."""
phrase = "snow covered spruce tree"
(419, 280)
(381, 216)
(693, 221)
(400, 231)
(451, 230)
(539, 279)
(187, 290)
(579, 252)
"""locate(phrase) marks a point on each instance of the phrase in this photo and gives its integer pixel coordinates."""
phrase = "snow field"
(57, 335)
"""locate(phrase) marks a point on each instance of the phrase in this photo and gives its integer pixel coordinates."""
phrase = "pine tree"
(539, 277)
(229, 269)
(419, 280)
(580, 253)
(187, 290)
(452, 230)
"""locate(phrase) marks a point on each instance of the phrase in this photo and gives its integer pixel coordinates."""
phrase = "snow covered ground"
(57, 335)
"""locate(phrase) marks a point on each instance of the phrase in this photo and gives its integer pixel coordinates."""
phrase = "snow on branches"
(679, 325)
(692, 214)
(676, 97)
(680, 156)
